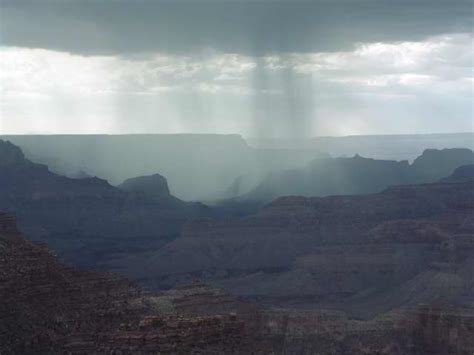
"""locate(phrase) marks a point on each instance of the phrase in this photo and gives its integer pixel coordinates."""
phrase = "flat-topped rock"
(155, 185)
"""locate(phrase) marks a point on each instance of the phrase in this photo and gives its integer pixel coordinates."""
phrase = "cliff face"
(53, 309)
(7, 224)
(49, 308)
(152, 185)
(86, 220)
(361, 254)
(435, 164)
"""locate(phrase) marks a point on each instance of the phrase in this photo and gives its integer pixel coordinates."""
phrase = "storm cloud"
(258, 68)
(238, 26)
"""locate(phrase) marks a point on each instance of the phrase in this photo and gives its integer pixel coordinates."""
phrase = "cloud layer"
(390, 87)
(250, 27)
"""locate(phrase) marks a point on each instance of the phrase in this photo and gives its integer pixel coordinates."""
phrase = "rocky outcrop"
(422, 330)
(49, 308)
(440, 329)
(464, 173)
(7, 224)
(11, 155)
(153, 185)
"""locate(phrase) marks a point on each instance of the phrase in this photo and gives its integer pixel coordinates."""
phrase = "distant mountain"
(384, 147)
(88, 220)
(358, 175)
(198, 166)
(435, 164)
(464, 173)
(153, 185)
(213, 161)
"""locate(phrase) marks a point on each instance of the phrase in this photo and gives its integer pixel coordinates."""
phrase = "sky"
(259, 68)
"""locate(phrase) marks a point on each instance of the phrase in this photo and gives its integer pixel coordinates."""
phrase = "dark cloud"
(249, 27)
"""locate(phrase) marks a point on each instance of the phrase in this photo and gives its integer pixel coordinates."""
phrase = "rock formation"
(435, 164)
(358, 175)
(464, 173)
(364, 255)
(198, 166)
(49, 308)
(152, 185)
(53, 309)
(87, 220)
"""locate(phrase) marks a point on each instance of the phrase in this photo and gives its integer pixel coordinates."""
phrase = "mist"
(212, 167)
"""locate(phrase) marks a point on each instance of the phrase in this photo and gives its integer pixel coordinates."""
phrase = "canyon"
(54, 309)
(387, 272)
(364, 254)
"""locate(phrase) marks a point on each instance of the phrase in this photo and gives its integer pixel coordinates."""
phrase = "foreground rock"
(52, 309)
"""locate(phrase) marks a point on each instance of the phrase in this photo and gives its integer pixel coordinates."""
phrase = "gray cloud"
(375, 87)
(239, 26)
